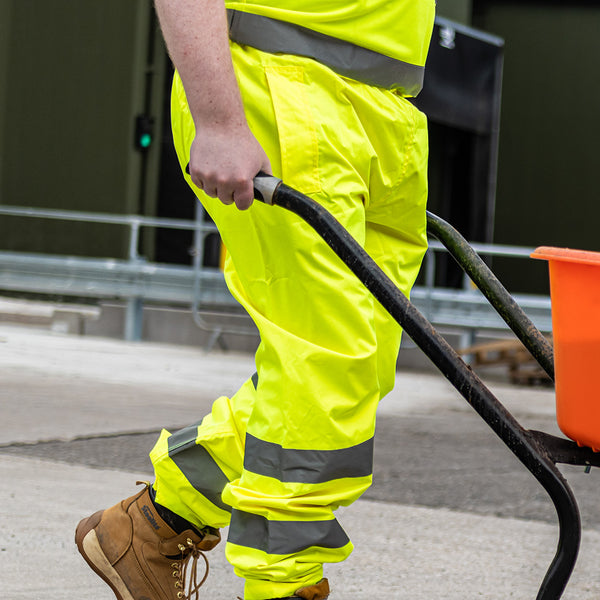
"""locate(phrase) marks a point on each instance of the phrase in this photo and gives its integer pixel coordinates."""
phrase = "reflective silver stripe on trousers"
(307, 466)
(345, 58)
(284, 537)
(198, 466)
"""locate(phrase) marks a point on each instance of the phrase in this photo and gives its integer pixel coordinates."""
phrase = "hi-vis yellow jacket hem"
(344, 57)
(400, 29)
(295, 442)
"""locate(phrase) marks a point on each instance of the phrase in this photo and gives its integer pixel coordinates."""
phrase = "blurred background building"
(512, 100)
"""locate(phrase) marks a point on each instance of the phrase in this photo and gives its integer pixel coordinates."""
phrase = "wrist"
(217, 108)
(219, 123)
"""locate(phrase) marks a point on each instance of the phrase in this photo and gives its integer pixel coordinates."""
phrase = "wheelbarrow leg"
(523, 444)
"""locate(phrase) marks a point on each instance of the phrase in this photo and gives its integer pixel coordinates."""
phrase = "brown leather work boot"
(319, 591)
(138, 555)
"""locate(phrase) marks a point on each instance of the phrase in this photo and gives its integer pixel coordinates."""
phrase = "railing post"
(430, 264)
(467, 337)
(134, 311)
(198, 259)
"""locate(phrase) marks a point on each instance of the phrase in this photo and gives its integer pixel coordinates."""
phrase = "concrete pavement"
(64, 387)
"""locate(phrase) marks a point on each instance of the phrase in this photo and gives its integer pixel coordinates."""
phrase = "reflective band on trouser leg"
(307, 466)
(191, 472)
(308, 485)
(327, 351)
(284, 537)
(264, 547)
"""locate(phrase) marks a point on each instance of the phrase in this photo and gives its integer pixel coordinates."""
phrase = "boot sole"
(89, 547)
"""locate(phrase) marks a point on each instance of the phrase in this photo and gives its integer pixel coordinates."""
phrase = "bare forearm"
(195, 32)
(224, 156)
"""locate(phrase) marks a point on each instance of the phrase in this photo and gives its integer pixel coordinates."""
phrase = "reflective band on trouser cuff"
(307, 466)
(198, 466)
(345, 58)
(284, 537)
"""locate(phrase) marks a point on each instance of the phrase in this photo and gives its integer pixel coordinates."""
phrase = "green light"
(145, 140)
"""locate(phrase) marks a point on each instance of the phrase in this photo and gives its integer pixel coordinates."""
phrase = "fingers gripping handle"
(265, 187)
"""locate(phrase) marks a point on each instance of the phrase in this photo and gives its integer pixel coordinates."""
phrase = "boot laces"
(186, 571)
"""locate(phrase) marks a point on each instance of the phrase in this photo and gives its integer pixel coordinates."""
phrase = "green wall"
(456, 10)
(74, 74)
(5, 18)
(548, 158)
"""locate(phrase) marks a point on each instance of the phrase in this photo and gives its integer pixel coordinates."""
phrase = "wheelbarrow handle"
(527, 447)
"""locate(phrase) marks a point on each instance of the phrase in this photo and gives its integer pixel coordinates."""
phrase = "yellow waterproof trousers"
(296, 441)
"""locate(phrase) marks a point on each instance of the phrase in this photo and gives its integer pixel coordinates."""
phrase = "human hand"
(224, 162)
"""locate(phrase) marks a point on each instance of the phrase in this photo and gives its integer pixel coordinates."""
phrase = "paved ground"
(451, 513)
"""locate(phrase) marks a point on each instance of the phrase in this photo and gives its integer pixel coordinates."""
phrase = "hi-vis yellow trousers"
(296, 441)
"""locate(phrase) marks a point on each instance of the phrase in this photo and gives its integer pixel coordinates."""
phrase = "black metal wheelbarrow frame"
(539, 452)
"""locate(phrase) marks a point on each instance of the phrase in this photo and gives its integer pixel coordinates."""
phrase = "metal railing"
(137, 280)
(133, 278)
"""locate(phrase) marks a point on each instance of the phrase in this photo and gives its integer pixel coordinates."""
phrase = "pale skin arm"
(225, 156)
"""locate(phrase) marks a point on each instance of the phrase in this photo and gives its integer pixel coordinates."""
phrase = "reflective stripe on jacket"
(387, 41)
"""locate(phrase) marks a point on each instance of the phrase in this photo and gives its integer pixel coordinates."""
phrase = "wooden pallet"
(523, 369)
